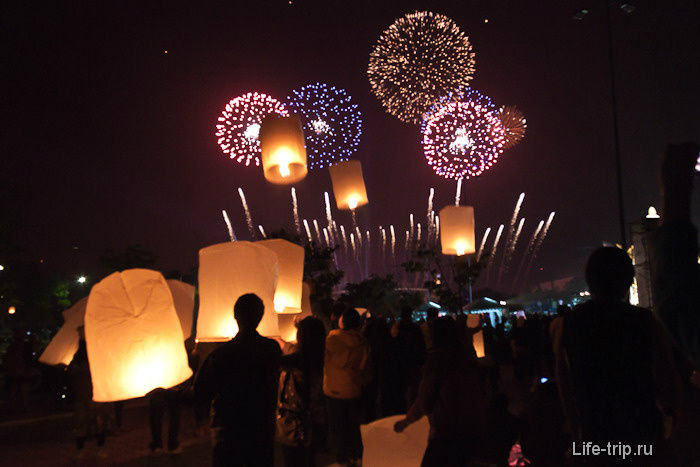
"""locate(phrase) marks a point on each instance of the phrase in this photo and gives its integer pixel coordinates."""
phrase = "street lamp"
(627, 8)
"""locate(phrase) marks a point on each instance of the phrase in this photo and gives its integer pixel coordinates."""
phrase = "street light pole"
(616, 129)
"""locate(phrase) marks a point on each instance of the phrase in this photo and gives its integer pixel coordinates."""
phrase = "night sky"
(108, 141)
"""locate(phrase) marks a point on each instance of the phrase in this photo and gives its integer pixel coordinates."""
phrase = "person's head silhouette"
(445, 334)
(248, 311)
(350, 319)
(609, 273)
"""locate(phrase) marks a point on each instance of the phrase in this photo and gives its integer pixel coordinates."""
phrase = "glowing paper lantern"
(383, 447)
(457, 230)
(183, 298)
(288, 322)
(283, 150)
(290, 258)
(64, 344)
(134, 339)
(348, 185)
(227, 271)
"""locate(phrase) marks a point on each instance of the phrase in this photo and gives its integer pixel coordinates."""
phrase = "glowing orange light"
(11, 310)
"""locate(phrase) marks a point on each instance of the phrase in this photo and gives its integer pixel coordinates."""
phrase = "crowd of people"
(604, 373)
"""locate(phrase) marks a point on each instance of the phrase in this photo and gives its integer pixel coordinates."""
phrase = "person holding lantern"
(241, 378)
(344, 377)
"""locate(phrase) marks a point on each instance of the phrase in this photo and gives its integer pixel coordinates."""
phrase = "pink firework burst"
(239, 124)
(463, 139)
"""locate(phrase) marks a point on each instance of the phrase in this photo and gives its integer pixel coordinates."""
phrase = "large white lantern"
(183, 298)
(348, 185)
(64, 344)
(227, 271)
(134, 339)
(457, 230)
(290, 258)
(383, 447)
(282, 147)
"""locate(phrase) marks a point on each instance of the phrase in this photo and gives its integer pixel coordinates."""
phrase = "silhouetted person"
(91, 417)
(241, 377)
(160, 401)
(451, 394)
(674, 252)
(304, 369)
(430, 315)
(412, 354)
(345, 366)
(614, 364)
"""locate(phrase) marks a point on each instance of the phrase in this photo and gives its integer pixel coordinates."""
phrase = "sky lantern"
(64, 344)
(348, 185)
(288, 322)
(227, 271)
(291, 273)
(457, 230)
(183, 298)
(473, 322)
(283, 150)
(134, 339)
(383, 447)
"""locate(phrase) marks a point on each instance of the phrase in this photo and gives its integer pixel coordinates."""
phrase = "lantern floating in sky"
(283, 150)
(11, 310)
(227, 271)
(64, 344)
(457, 230)
(290, 258)
(348, 185)
(134, 339)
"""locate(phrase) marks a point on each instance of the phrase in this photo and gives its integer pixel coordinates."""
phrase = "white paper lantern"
(290, 258)
(64, 344)
(134, 338)
(287, 322)
(383, 447)
(457, 230)
(283, 152)
(227, 271)
(183, 298)
(348, 185)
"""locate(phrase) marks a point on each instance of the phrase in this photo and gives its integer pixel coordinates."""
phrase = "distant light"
(581, 14)
(11, 310)
(486, 20)
(543, 380)
(165, 52)
(651, 213)
(82, 279)
(628, 8)
(434, 305)
(42, 260)
(2, 268)
(697, 164)
(63, 396)
(502, 302)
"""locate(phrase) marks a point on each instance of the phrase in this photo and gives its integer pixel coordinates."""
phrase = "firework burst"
(420, 58)
(514, 124)
(462, 139)
(332, 123)
(239, 124)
